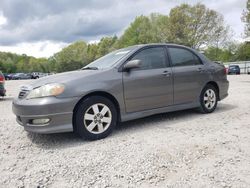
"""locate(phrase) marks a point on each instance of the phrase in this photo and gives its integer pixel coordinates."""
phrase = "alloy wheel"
(209, 99)
(97, 118)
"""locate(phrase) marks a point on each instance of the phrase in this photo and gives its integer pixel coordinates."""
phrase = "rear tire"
(208, 99)
(95, 118)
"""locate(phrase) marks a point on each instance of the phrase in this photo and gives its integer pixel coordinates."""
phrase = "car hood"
(65, 77)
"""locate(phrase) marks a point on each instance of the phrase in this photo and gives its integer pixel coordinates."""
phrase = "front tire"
(95, 118)
(208, 99)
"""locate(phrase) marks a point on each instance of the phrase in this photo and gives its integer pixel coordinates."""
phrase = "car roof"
(136, 47)
(161, 44)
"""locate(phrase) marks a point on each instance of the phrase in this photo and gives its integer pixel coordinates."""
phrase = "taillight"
(2, 79)
(225, 70)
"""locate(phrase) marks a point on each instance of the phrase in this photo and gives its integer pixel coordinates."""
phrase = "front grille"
(23, 94)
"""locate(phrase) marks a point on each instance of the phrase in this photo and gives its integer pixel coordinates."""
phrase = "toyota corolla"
(126, 84)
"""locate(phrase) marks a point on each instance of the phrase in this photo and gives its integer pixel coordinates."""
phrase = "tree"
(243, 52)
(72, 57)
(159, 28)
(105, 46)
(92, 52)
(219, 54)
(196, 26)
(246, 18)
(139, 32)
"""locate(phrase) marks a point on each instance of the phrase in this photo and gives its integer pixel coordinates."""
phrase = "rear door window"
(183, 57)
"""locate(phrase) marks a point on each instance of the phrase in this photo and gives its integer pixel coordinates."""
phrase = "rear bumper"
(58, 112)
(223, 87)
(234, 72)
(2, 92)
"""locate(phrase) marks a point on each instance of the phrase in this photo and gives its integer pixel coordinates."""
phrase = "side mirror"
(132, 65)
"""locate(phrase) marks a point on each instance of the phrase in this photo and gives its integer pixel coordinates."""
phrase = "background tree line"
(195, 26)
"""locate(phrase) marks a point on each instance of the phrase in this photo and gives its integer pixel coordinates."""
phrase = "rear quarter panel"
(220, 77)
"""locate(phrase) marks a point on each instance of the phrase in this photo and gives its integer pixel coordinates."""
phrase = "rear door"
(189, 74)
(151, 85)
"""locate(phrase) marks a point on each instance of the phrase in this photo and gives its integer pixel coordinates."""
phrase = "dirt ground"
(179, 149)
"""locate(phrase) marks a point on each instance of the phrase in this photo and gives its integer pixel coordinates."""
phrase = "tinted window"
(234, 67)
(151, 58)
(183, 57)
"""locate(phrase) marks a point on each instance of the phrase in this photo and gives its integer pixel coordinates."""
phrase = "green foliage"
(139, 32)
(159, 28)
(218, 54)
(196, 26)
(72, 57)
(10, 62)
(243, 52)
(152, 29)
(246, 18)
(105, 46)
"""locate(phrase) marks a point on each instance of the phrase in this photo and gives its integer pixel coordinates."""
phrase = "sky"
(42, 28)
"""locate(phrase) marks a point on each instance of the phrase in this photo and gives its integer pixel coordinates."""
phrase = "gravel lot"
(180, 149)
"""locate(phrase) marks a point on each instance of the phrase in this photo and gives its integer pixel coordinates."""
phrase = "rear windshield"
(234, 66)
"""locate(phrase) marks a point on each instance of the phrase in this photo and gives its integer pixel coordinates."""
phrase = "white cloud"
(36, 49)
(3, 20)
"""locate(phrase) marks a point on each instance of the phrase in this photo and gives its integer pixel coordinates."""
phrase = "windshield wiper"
(89, 68)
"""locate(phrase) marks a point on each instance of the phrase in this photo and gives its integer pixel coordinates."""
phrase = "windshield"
(110, 59)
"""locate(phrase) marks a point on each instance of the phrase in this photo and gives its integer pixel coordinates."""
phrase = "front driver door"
(151, 85)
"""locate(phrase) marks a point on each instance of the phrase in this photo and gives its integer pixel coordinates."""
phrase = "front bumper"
(2, 89)
(59, 111)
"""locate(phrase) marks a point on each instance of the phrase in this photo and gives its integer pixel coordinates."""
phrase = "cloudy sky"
(41, 28)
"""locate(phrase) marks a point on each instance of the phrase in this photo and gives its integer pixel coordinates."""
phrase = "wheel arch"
(213, 83)
(99, 93)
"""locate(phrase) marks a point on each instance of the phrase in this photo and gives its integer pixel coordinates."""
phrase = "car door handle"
(166, 73)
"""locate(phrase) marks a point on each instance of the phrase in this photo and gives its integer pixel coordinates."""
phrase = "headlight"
(46, 90)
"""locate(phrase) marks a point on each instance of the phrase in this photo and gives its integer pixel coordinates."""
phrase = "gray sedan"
(126, 84)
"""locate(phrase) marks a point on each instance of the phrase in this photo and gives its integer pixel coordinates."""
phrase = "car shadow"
(158, 118)
(6, 98)
(170, 118)
(223, 107)
(56, 140)
(62, 140)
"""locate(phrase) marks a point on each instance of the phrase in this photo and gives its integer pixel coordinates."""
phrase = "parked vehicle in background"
(126, 84)
(21, 76)
(8, 76)
(2, 82)
(36, 75)
(234, 69)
